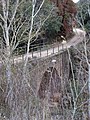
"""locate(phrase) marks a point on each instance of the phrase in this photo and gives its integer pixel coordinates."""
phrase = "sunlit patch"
(75, 1)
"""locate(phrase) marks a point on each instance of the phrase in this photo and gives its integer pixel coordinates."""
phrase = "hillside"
(44, 81)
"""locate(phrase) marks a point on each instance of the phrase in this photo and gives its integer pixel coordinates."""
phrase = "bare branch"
(39, 8)
(2, 18)
(16, 7)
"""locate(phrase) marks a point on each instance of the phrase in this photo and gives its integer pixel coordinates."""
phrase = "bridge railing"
(39, 48)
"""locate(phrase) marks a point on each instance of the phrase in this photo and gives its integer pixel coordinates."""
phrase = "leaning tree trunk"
(89, 93)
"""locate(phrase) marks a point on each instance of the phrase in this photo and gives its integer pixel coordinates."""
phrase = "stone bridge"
(56, 58)
(39, 69)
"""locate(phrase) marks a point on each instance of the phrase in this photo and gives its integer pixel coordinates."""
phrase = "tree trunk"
(89, 93)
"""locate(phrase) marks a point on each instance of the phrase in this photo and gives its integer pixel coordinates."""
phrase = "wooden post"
(32, 51)
(40, 51)
(17, 51)
(47, 51)
(25, 48)
(53, 49)
(62, 47)
(58, 48)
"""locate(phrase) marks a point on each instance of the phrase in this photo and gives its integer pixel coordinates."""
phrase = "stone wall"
(39, 66)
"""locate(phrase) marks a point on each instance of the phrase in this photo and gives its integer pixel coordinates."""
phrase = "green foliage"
(87, 26)
(52, 26)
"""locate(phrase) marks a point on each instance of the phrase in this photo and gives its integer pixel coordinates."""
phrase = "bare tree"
(13, 28)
